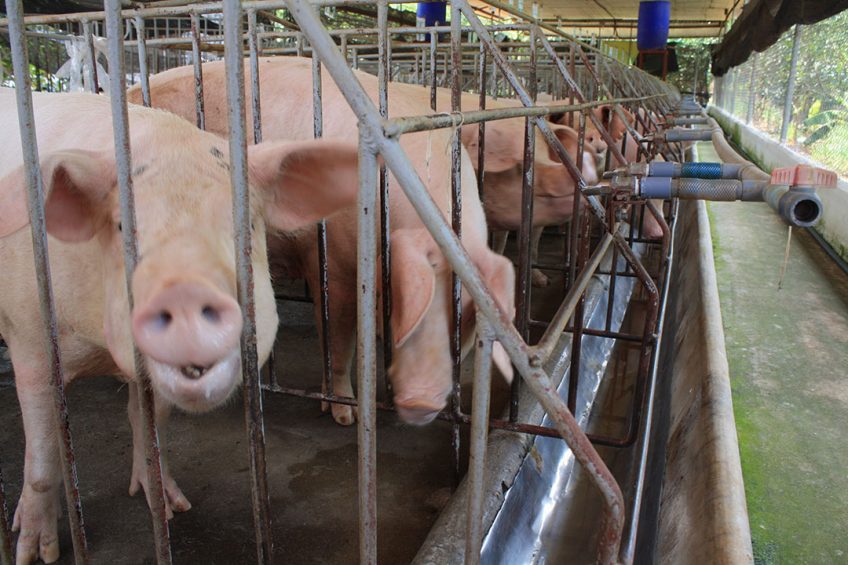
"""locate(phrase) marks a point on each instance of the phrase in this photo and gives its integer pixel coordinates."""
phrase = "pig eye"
(120, 228)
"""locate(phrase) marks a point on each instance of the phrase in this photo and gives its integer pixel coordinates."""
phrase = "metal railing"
(573, 73)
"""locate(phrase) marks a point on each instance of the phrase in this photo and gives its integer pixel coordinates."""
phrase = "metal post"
(35, 200)
(234, 64)
(200, 118)
(123, 160)
(478, 439)
(90, 58)
(366, 350)
(751, 92)
(142, 61)
(456, 224)
(790, 85)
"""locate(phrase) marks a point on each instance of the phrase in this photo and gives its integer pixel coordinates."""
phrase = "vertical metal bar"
(35, 191)
(198, 71)
(456, 224)
(751, 92)
(5, 532)
(433, 41)
(256, 107)
(383, 65)
(234, 65)
(575, 210)
(142, 61)
(525, 267)
(366, 351)
(733, 79)
(790, 85)
(89, 56)
(123, 158)
(572, 62)
(478, 439)
(481, 128)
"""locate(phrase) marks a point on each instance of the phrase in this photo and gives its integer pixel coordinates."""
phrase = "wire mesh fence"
(795, 91)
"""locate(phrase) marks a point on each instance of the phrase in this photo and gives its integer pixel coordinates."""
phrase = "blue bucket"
(432, 13)
(654, 18)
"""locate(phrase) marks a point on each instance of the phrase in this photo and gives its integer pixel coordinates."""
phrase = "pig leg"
(174, 498)
(499, 238)
(38, 508)
(539, 279)
(342, 332)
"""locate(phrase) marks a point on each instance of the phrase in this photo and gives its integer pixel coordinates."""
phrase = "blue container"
(654, 18)
(432, 13)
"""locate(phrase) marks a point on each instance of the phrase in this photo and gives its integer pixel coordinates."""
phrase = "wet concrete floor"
(788, 355)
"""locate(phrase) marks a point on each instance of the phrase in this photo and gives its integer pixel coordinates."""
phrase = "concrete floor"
(788, 353)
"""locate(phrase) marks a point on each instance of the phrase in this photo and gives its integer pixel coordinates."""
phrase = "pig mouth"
(194, 388)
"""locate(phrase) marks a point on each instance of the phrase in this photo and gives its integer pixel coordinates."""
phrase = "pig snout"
(190, 332)
(418, 405)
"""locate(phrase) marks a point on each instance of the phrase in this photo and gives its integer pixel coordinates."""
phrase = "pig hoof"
(540, 279)
(175, 500)
(344, 415)
(35, 518)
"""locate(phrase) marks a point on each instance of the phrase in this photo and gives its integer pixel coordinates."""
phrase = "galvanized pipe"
(254, 423)
(366, 344)
(479, 439)
(90, 58)
(200, 118)
(142, 61)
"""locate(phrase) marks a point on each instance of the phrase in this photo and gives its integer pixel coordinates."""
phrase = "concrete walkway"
(788, 356)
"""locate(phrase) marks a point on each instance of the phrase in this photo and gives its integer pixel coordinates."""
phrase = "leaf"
(818, 135)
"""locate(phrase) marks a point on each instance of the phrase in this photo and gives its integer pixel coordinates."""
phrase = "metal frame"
(586, 76)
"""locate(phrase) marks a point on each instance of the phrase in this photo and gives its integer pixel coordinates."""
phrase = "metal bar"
(123, 160)
(90, 58)
(450, 245)
(200, 119)
(256, 106)
(366, 346)
(629, 545)
(5, 531)
(481, 128)
(234, 65)
(383, 67)
(411, 124)
(790, 85)
(35, 191)
(557, 324)
(478, 439)
(456, 224)
(142, 61)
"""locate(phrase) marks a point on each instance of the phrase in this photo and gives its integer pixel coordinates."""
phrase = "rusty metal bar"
(481, 128)
(385, 220)
(433, 80)
(234, 65)
(478, 439)
(456, 225)
(47, 304)
(200, 119)
(123, 160)
(256, 106)
(5, 531)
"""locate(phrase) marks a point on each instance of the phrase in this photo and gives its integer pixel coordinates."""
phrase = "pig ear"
(568, 138)
(304, 181)
(413, 281)
(499, 275)
(77, 184)
(503, 151)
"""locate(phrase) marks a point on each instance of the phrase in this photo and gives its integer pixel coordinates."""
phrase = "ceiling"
(614, 18)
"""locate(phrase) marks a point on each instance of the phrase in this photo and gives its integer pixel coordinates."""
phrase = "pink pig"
(420, 320)
(186, 320)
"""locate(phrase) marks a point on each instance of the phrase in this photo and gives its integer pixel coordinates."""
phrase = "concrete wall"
(768, 154)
